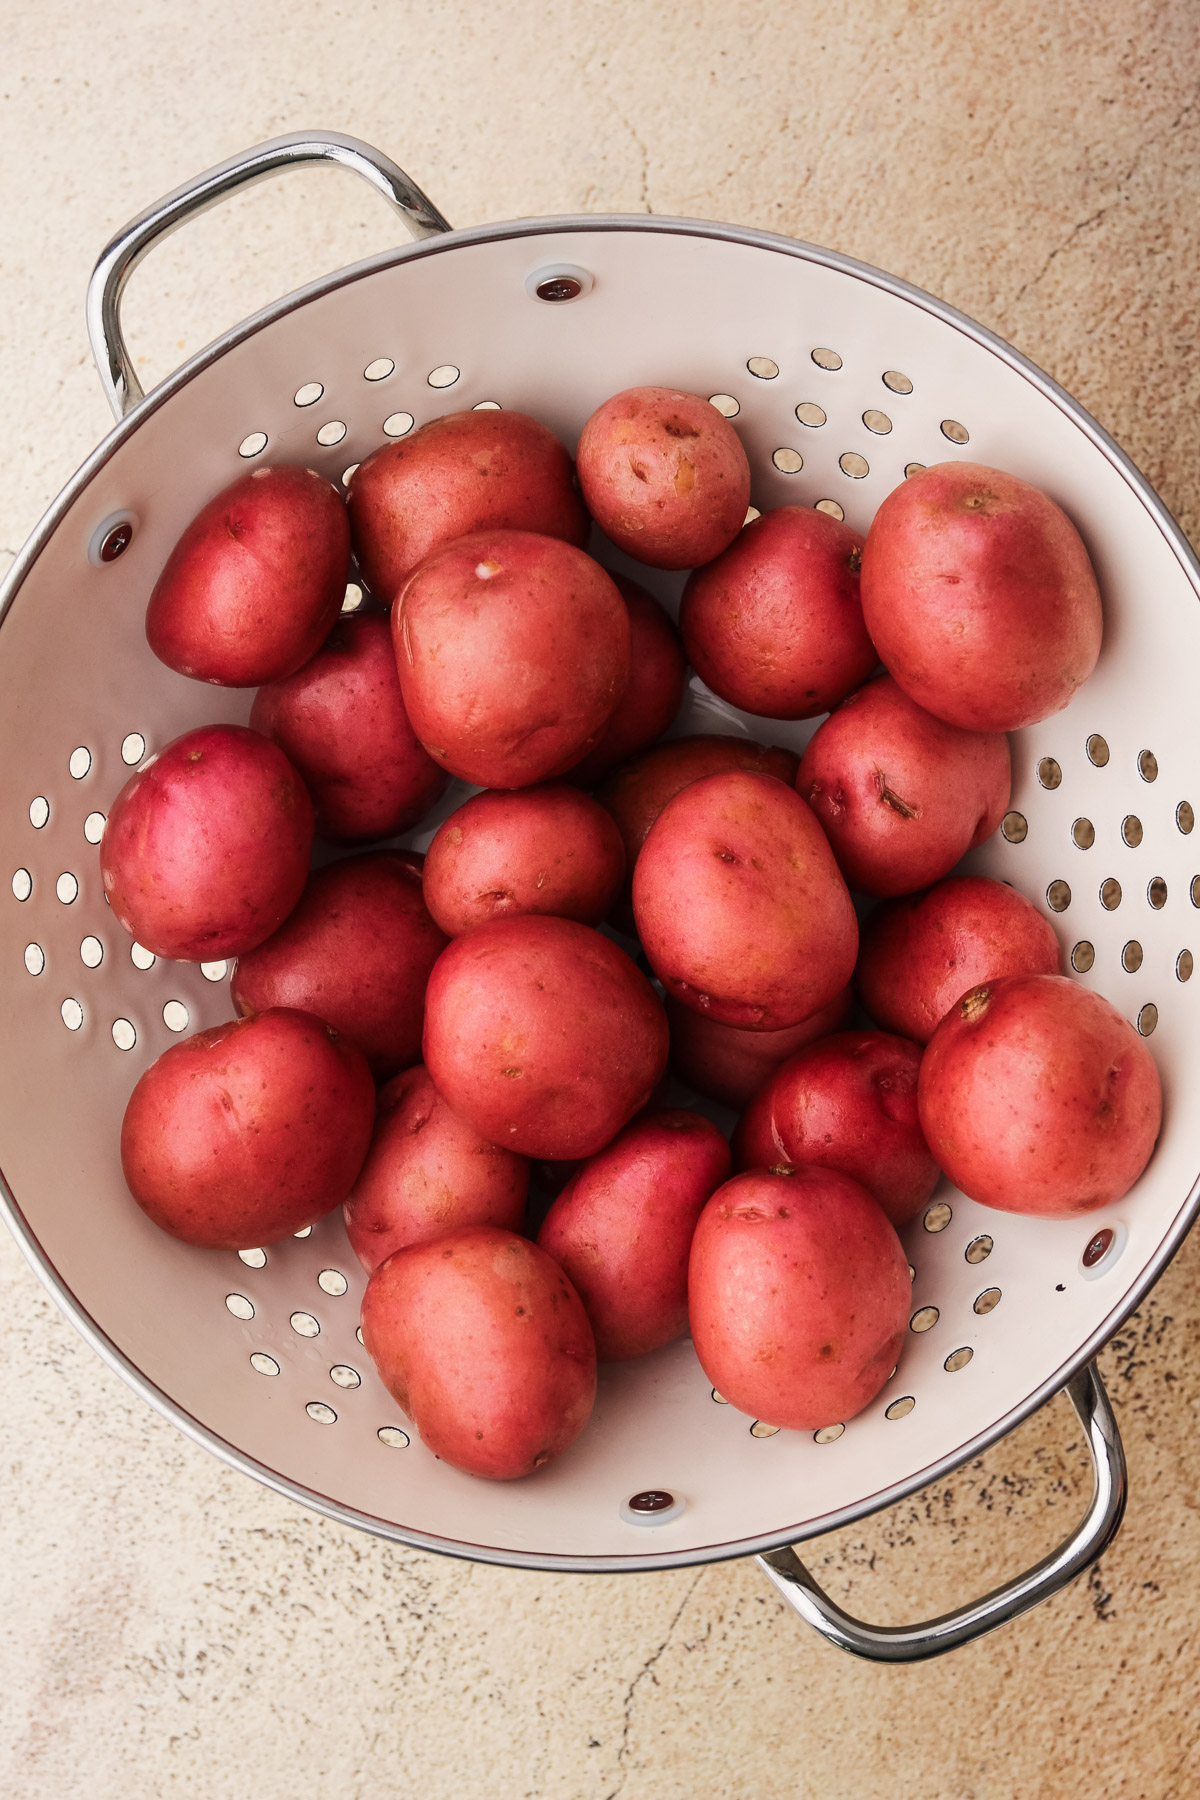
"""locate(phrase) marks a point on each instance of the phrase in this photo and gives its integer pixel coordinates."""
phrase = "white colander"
(839, 379)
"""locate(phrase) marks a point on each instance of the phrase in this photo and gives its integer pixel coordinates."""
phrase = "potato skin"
(206, 848)
(241, 1135)
(427, 1172)
(543, 1035)
(622, 1229)
(775, 624)
(653, 695)
(483, 1342)
(846, 1102)
(1036, 1096)
(980, 596)
(341, 722)
(357, 952)
(729, 1064)
(255, 582)
(739, 904)
(541, 850)
(665, 475)
(462, 473)
(901, 795)
(921, 953)
(799, 1294)
(513, 651)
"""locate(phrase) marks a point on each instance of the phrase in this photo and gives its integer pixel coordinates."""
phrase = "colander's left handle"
(120, 258)
(914, 1643)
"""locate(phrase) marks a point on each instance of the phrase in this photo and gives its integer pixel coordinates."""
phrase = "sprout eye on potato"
(523, 1051)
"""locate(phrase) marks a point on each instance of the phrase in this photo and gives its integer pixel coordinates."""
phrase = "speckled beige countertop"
(167, 1628)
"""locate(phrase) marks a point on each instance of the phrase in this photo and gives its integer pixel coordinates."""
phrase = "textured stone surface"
(168, 1628)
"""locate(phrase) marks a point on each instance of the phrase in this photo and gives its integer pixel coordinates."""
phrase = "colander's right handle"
(913, 1643)
(120, 258)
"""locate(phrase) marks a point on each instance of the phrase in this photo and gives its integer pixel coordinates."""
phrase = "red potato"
(775, 624)
(799, 1294)
(729, 1064)
(657, 673)
(921, 953)
(341, 721)
(357, 952)
(665, 475)
(543, 1035)
(464, 472)
(206, 848)
(255, 582)
(622, 1229)
(1036, 1096)
(901, 795)
(540, 850)
(739, 904)
(979, 594)
(483, 1342)
(427, 1172)
(513, 652)
(847, 1102)
(246, 1133)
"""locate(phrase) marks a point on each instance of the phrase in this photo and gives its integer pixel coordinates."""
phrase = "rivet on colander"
(652, 1506)
(761, 1430)
(651, 1500)
(262, 1364)
(91, 952)
(39, 811)
(1083, 834)
(828, 1434)
(1156, 893)
(253, 1259)
(832, 508)
(958, 1359)
(332, 1281)
(899, 384)
(1131, 830)
(80, 762)
(1131, 957)
(1183, 965)
(937, 1217)
(1015, 827)
(304, 1324)
(558, 288)
(322, 1414)
(787, 461)
(764, 367)
(1185, 818)
(924, 1319)
(1096, 1247)
(1147, 1019)
(393, 1437)
(958, 434)
(1148, 765)
(988, 1301)
(854, 465)
(115, 542)
(22, 884)
(827, 359)
(239, 1306)
(1058, 896)
(900, 1409)
(1049, 772)
(1097, 749)
(810, 414)
(979, 1249)
(93, 827)
(726, 405)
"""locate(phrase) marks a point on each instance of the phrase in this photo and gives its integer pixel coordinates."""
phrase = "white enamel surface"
(75, 674)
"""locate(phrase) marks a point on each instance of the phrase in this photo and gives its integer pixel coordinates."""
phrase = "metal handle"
(121, 257)
(913, 1643)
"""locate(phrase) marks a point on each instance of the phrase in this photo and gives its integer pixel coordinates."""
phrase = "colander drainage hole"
(1131, 957)
(911, 469)
(900, 1409)
(752, 513)
(140, 957)
(787, 461)
(72, 1014)
(765, 367)
(322, 1414)
(1015, 827)
(937, 1217)
(380, 369)
(987, 1302)
(1083, 834)
(332, 433)
(398, 424)
(353, 597)
(22, 884)
(877, 421)
(1049, 773)
(1097, 750)
(899, 384)
(358, 1334)
(958, 1359)
(1148, 765)
(214, 971)
(1185, 818)
(726, 405)
(91, 953)
(1183, 966)
(827, 359)
(123, 1034)
(39, 812)
(93, 827)
(828, 1434)
(487, 406)
(343, 1376)
(304, 1232)
(332, 1281)
(831, 507)
(1156, 893)
(810, 414)
(393, 1437)
(924, 1319)
(979, 1249)
(761, 1430)
(1147, 1019)
(253, 445)
(80, 762)
(175, 1015)
(35, 958)
(957, 433)
(262, 1364)
(854, 465)
(719, 1398)
(444, 376)
(133, 748)
(309, 394)
(1131, 830)
(1058, 896)
(253, 1259)
(239, 1306)
(304, 1325)
(67, 888)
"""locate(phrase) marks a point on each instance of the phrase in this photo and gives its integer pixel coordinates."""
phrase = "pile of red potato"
(511, 1033)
